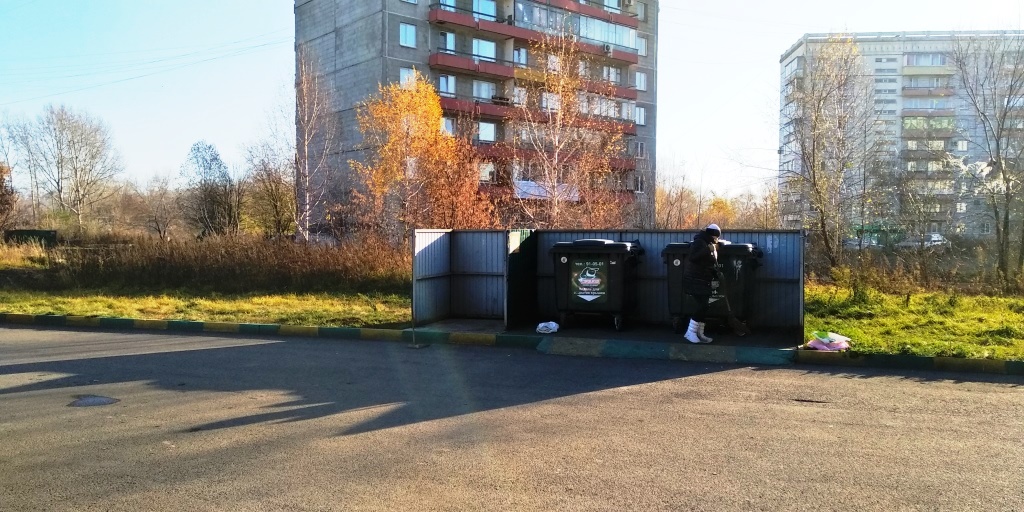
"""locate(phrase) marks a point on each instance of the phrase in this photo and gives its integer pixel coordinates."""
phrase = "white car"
(933, 241)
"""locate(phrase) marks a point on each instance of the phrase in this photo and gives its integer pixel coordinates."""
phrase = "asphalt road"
(231, 423)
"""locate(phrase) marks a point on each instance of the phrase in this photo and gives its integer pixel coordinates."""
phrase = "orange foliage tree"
(415, 174)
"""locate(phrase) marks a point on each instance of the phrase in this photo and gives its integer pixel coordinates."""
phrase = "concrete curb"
(343, 333)
(587, 347)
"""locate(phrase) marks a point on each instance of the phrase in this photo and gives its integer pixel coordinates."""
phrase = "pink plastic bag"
(817, 344)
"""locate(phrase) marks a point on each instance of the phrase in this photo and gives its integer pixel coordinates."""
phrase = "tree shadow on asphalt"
(853, 372)
(332, 377)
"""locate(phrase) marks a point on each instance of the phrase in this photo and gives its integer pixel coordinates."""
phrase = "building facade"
(922, 122)
(474, 50)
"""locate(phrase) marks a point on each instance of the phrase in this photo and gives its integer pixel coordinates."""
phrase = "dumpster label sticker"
(590, 281)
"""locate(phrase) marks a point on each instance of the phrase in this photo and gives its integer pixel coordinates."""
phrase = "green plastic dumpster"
(596, 276)
(44, 237)
(736, 263)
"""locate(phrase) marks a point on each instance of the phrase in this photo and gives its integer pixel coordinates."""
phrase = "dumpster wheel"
(676, 320)
(618, 322)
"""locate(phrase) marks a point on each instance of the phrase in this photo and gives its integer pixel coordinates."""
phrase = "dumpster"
(596, 276)
(736, 263)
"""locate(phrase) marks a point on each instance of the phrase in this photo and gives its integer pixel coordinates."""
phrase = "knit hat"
(713, 230)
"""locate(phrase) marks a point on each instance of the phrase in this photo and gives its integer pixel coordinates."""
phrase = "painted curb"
(625, 349)
(343, 333)
(585, 347)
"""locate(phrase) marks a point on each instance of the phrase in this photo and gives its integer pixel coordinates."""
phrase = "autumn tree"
(70, 158)
(8, 197)
(990, 74)
(565, 135)
(415, 174)
(828, 117)
(316, 144)
(212, 202)
(161, 212)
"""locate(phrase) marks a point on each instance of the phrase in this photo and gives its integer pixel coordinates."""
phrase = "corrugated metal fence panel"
(478, 274)
(431, 297)
(778, 294)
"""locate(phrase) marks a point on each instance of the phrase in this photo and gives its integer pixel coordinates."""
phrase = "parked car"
(930, 241)
(861, 244)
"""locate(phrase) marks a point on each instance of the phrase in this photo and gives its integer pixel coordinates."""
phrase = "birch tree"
(317, 136)
(830, 112)
(990, 75)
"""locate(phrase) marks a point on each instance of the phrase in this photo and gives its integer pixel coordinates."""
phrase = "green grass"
(924, 324)
(341, 310)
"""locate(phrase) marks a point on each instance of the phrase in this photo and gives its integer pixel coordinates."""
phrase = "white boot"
(691, 333)
(700, 333)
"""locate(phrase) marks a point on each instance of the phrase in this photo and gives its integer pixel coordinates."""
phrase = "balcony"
(928, 91)
(509, 27)
(476, 107)
(459, 61)
(927, 112)
(928, 70)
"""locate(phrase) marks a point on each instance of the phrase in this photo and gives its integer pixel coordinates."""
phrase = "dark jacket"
(700, 266)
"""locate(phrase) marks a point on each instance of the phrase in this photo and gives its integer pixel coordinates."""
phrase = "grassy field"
(342, 310)
(925, 324)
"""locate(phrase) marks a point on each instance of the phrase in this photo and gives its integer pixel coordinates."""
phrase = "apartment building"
(475, 50)
(921, 118)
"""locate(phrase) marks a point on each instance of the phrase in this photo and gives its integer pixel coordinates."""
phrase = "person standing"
(700, 278)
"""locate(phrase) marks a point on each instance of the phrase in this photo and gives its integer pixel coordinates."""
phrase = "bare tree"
(212, 202)
(70, 156)
(990, 71)
(566, 139)
(8, 197)
(828, 113)
(316, 143)
(162, 211)
(271, 204)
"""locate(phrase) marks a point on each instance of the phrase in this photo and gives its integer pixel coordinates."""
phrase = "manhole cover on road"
(92, 401)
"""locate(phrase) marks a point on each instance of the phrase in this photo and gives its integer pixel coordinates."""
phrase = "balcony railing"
(476, 14)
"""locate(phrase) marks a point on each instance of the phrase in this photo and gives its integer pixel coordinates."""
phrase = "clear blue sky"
(166, 73)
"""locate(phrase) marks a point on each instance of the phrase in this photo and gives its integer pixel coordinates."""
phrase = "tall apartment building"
(473, 51)
(921, 115)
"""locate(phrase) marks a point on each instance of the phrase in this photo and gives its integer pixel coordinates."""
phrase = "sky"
(164, 74)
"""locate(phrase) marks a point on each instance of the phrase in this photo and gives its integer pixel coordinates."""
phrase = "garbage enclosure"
(596, 276)
(44, 237)
(736, 263)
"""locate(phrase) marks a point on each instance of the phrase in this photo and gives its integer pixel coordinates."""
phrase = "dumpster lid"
(599, 244)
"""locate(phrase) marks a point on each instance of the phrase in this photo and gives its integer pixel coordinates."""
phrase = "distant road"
(232, 423)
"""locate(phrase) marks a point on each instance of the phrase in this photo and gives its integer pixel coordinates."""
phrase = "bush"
(235, 264)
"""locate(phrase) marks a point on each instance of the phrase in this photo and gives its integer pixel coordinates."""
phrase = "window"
(641, 149)
(638, 183)
(485, 9)
(613, 5)
(407, 35)
(641, 11)
(934, 166)
(626, 110)
(553, 64)
(446, 86)
(486, 132)
(409, 1)
(584, 69)
(613, 75)
(928, 103)
(911, 145)
(885, 91)
(519, 95)
(936, 145)
(519, 57)
(926, 82)
(484, 90)
(885, 112)
(550, 101)
(485, 50)
(911, 166)
(448, 125)
(447, 42)
(886, 71)
(961, 145)
(641, 81)
(961, 207)
(886, 101)
(887, 80)
(407, 77)
(985, 228)
(925, 59)
(486, 171)
(885, 59)
(640, 116)
(448, 5)
(641, 46)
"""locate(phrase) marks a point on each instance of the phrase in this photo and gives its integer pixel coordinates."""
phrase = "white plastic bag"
(547, 327)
